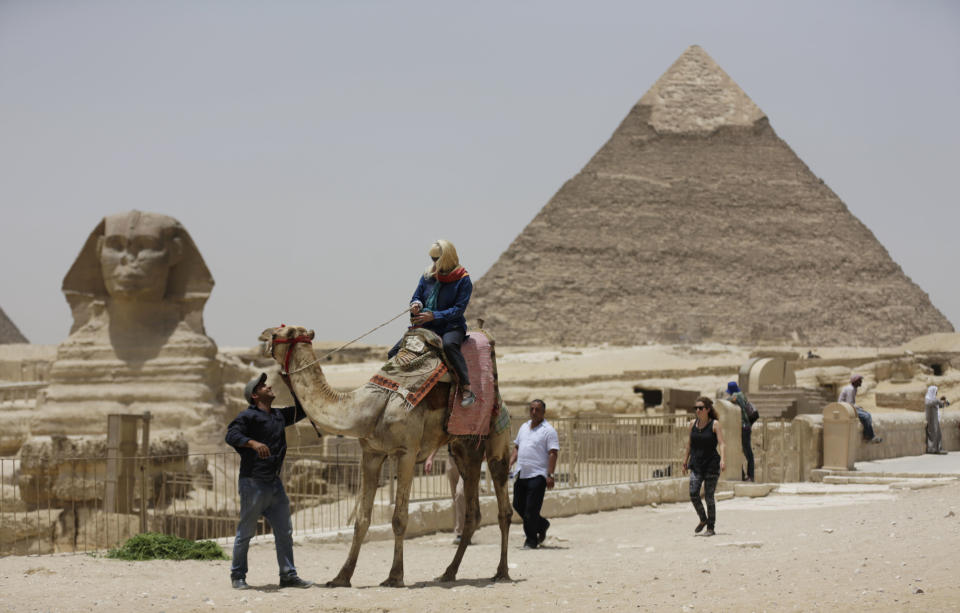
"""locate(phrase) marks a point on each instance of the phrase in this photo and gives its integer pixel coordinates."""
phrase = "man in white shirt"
(535, 453)
(849, 395)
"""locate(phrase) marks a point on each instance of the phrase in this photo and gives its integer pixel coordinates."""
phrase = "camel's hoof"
(390, 582)
(338, 582)
(447, 577)
(504, 576)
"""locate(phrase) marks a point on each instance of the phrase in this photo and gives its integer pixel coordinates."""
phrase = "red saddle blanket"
(474, 420)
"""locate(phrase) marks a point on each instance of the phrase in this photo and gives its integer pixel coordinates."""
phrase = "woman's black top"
(704, 458)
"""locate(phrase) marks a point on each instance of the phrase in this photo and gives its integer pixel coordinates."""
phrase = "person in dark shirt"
(705, 459)
(257, 434)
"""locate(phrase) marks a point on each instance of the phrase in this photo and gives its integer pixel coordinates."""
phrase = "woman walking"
(705, 460)
(934, 436)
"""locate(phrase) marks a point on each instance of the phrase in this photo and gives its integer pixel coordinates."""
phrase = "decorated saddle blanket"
(415, 369)
(487, 412)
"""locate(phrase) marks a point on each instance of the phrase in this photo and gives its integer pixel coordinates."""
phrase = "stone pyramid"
(695, 222)
(9, 332)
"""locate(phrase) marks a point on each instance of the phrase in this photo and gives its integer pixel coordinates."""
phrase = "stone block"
(752, 490)
(586, 500)
(559, 503)
(84, 529)
(674, 490)
(27, 533)
(624, 496)
(606, 498)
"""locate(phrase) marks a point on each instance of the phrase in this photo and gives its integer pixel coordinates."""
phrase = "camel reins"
(306, 339)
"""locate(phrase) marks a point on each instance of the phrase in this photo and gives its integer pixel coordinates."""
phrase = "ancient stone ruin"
(137, 343)
(696, 222)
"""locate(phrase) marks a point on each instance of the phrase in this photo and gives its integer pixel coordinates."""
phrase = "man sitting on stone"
(849, 395)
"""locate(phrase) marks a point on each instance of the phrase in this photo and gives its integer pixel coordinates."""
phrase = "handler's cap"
(252, 386)
(855, 378)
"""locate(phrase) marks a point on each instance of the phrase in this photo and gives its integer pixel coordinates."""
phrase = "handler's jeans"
(528, 500)
(266, 498)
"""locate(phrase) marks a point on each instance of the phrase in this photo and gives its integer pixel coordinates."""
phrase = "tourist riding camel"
(438, 304)
(387, 424)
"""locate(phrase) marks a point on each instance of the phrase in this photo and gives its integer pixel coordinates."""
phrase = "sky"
(315, 150)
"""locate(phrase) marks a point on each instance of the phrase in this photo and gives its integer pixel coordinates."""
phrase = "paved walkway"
(948, 464)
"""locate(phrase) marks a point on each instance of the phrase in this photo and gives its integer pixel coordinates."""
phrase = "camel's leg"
(498, 460)
(371, 463)
(405, 464)
(468, 459)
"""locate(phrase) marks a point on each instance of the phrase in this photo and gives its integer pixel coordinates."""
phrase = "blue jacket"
(451, 303)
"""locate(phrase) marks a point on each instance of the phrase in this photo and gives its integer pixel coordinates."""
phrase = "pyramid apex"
(695, 95)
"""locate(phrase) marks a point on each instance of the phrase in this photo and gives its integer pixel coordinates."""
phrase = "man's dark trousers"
(528, 500)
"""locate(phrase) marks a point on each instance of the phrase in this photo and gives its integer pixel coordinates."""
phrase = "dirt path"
(781, 553)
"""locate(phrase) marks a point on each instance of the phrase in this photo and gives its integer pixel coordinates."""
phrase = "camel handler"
(257, 434)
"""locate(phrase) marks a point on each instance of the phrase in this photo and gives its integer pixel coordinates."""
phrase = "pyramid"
(9, 332)
(695, 222)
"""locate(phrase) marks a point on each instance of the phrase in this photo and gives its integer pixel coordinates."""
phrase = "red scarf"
(454, 275)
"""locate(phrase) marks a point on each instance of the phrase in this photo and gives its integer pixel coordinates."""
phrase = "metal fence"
(50, 504)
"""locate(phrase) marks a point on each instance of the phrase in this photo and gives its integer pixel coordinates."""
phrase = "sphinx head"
(138, 258)
(136, 252)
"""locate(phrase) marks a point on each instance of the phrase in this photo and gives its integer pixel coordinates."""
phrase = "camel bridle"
(303, 338)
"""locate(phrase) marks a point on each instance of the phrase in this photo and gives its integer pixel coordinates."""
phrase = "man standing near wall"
(536, 448)
(257, 434)
(849, 395)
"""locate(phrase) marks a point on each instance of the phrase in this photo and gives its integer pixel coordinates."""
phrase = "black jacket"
(267, 428)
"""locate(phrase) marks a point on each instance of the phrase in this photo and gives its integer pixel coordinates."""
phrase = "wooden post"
(144, 464)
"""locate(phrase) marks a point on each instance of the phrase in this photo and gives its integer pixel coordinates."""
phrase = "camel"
(384, 427)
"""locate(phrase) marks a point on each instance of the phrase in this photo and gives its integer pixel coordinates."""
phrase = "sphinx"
(136, 292)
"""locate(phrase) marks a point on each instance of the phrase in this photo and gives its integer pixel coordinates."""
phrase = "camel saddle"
(421, 363)
(416, 368)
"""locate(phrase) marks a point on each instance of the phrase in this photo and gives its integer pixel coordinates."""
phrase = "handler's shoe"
(542, 536)
(239, 584)
(700, 527)
(294, 581)
(468, 399)
(709, 532)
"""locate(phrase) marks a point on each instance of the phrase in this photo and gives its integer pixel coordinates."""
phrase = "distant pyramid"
(695, 222)
(9, 332)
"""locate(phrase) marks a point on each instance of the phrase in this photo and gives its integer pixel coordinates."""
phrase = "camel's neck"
(334, 412)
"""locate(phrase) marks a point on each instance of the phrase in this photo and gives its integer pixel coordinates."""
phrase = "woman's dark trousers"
(709, 483)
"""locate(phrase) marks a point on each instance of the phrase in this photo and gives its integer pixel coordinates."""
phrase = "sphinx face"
(137, 251)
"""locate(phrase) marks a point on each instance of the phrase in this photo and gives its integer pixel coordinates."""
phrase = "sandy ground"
(872, 549)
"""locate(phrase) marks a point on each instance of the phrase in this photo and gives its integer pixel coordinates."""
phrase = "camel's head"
(285, 337)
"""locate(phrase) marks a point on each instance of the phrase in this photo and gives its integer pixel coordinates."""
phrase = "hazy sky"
(314, 150)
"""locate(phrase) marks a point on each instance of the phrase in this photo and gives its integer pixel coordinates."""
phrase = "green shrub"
(156, 546)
